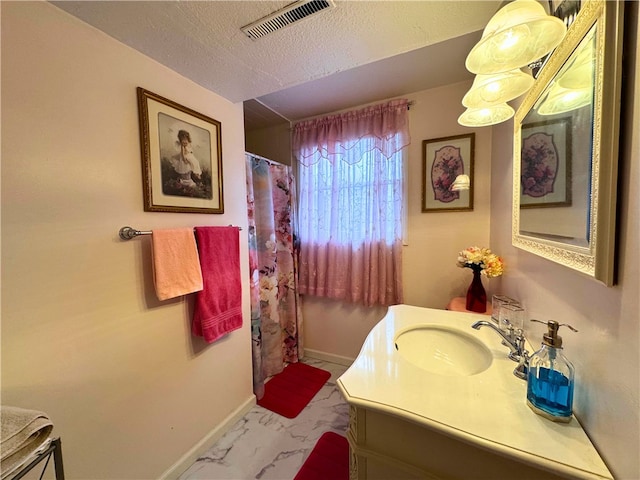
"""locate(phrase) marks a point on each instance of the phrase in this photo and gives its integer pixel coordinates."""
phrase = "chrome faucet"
(514, 339)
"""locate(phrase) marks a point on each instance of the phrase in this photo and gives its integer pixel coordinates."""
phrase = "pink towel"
(176, 266)
(218, 308)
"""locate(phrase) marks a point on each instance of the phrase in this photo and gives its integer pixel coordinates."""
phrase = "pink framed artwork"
(545, 170)
(443, 160)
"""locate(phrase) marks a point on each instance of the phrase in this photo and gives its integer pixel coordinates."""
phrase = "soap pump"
(550, 377)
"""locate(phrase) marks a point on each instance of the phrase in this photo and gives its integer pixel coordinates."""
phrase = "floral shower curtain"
(276, 320)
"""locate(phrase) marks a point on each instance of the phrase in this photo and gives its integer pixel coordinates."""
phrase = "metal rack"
(54, 449)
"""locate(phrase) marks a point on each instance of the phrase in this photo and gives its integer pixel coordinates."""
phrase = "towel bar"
(127, 233)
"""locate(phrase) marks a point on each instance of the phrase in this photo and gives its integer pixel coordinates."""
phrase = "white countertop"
(487, 409)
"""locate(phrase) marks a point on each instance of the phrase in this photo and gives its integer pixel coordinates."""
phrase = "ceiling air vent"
(286, 16)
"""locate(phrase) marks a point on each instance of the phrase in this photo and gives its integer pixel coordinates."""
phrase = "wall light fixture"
(482, 117)
(490, 90)
(520, 33)
(462, 182)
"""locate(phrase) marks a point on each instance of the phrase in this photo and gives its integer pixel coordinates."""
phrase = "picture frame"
(545, 164)
(181, 157)
(443, 159)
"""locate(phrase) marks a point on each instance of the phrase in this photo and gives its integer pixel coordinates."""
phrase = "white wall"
(430, 275)
(84, 338)
(605, 351)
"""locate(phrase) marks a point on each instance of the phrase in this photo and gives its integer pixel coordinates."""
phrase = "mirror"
(566, 148)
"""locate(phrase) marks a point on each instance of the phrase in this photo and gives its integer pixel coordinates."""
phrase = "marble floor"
(265, 445)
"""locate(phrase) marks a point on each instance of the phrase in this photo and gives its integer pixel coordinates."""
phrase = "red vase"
(476, 296)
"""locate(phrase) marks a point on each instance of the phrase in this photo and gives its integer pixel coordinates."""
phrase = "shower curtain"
(276, 320)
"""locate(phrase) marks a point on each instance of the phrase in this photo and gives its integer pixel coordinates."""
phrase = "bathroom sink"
(442, 350)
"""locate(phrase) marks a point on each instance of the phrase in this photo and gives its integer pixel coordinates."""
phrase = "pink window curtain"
(351, 200)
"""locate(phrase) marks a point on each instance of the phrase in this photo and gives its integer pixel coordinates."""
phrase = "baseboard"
(205, 444)
(329, 357)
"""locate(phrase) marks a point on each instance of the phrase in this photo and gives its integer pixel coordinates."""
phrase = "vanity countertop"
(487, 409)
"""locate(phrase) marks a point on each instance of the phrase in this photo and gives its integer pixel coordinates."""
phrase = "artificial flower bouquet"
(481, 259)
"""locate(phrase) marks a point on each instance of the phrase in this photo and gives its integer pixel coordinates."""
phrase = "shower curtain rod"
(127, 233)
(266, 159)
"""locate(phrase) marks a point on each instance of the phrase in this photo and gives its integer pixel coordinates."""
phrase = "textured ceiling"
(358, 52)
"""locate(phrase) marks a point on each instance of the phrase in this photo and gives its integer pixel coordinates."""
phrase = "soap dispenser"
(550, 377)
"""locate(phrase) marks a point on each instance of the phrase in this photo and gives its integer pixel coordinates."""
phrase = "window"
(348, 203)
(351, 204)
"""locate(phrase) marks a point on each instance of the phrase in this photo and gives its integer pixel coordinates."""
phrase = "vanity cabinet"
(383, 447)
(411, 419)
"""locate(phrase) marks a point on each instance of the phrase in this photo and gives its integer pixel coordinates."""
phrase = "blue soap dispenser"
(550, 377)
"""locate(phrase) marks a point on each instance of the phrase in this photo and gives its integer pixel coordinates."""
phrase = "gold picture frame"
(443, 159)
(181, 157)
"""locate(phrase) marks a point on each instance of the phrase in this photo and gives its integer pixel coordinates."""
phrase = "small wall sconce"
(462, 182)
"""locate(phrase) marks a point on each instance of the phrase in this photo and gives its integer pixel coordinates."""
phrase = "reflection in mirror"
(555, 162)
(566, 147)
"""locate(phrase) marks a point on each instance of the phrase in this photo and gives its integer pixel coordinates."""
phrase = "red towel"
(218, 308)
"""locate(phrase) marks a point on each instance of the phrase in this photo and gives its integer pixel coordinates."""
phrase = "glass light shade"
(580, 73)
(578, 77)
(518, 34)
(560, 100)
(462, 182)
(482, 117)
(490, 90)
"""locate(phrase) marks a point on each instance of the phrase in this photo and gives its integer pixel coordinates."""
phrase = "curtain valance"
(333, 137)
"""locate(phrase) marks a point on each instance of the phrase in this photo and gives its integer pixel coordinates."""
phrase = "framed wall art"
(545, 164)
(181, 157)
(443, 159)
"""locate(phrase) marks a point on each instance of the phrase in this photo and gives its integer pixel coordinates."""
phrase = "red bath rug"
(288, 392)
(329, 459)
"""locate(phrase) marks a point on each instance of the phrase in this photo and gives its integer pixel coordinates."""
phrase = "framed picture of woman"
(181, 157)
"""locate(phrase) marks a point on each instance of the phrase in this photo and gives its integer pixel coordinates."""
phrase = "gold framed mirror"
(566, 148)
